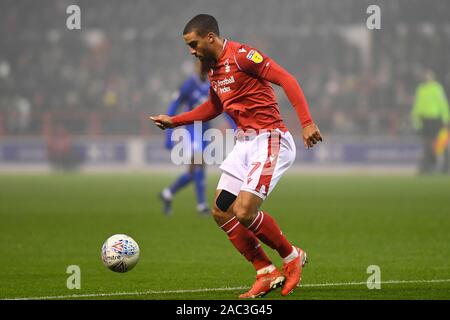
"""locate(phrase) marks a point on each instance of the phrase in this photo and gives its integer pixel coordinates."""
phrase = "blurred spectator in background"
(431, 117)
(359, 82)
(18, 115)
(61, 153)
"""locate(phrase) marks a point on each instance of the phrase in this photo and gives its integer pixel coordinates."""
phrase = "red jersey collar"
(224, 47)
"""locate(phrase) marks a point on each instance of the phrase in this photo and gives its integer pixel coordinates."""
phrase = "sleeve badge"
(255, 56)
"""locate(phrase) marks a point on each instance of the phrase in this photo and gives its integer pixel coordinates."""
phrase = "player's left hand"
(311, 135)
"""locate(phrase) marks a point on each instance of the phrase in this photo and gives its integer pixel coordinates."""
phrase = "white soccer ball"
(120, 253)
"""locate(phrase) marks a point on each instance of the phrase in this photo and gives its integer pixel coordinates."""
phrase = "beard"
(205, 66)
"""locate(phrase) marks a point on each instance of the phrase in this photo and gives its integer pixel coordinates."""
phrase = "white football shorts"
(257, 164)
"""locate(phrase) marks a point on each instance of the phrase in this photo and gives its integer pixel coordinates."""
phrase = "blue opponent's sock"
(200, 184)
(181, 182)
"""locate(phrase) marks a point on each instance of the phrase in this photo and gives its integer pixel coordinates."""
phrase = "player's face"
(200, 47)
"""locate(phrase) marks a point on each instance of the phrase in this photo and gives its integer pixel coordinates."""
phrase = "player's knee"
(221, 217)
(216, 212)
(244, 213)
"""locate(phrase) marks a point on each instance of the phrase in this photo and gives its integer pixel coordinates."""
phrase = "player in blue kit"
(193, 91)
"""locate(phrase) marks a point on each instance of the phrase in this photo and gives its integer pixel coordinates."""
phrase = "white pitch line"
(136, 293)
(150, 292)
(381, 282)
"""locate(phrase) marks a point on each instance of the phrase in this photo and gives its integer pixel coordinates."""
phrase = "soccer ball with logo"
(120, 253)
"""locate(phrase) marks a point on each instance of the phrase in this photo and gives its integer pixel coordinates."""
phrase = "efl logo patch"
(255, 56)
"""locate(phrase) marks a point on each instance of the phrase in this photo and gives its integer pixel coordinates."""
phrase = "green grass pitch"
(346, 223)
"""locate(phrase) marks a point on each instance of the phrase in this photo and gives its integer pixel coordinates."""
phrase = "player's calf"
(242, 239)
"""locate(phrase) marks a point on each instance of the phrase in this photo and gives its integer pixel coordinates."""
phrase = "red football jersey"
(240, 86)
(245, 95)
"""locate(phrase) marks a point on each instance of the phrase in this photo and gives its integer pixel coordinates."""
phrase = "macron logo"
(272, 158)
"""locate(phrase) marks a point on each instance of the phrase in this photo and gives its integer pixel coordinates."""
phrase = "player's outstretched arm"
(204, 112)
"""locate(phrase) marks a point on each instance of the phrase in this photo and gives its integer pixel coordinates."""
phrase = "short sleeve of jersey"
(252, 61)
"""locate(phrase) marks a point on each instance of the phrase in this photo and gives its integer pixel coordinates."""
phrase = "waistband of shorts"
(250, 134)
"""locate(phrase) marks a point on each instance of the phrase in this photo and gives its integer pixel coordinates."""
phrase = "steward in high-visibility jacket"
(430, 115)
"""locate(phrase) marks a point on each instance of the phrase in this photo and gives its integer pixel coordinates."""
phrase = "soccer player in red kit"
(240, 78)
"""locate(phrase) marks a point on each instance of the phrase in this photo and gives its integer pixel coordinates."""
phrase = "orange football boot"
(264, 284)
(293, 272)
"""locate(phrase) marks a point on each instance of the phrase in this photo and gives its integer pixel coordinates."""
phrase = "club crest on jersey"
(227, 66)
(255, 56)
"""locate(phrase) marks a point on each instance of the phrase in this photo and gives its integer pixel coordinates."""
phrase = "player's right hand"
(162, 121)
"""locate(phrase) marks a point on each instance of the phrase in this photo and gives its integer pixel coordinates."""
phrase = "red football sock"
(267, 230)
(246, 243)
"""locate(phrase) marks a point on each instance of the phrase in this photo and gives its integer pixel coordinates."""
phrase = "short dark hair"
(202, 24)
